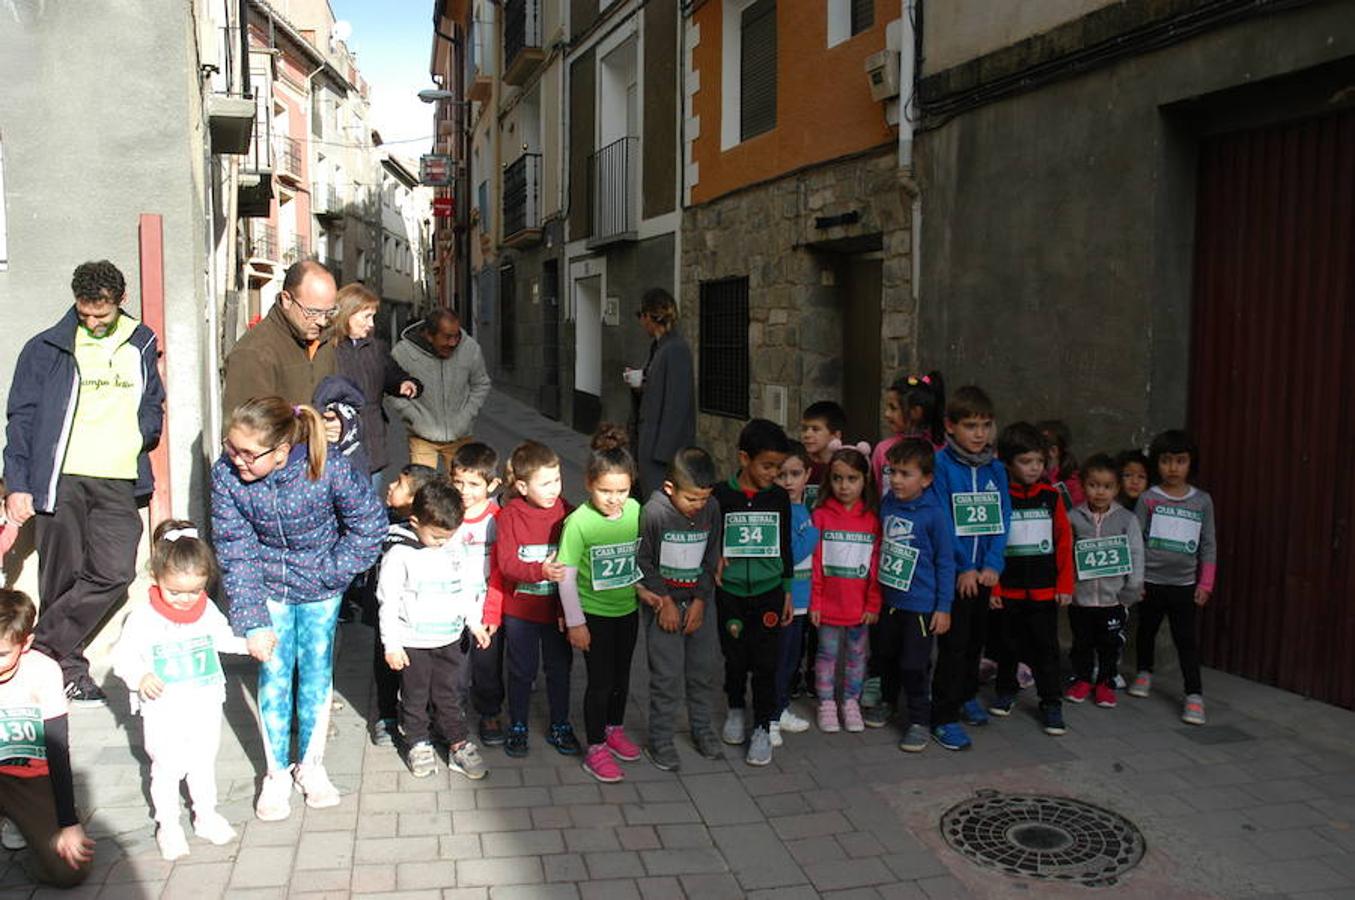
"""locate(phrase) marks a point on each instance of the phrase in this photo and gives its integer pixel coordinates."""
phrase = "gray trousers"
(681, 664)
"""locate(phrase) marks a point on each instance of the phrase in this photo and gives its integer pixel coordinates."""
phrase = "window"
(863, 15)
(723, 373)
(483, 198)
(757, 69)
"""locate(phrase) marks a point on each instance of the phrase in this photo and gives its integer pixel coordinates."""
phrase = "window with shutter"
(757, 69)
(863, 15)
(723, 376)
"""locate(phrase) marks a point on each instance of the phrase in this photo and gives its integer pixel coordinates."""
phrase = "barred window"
(863, 15)
(724, 347)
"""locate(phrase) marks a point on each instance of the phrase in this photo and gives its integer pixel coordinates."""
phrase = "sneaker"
(877, 716)
(1120, 683)
(11, 838)
(1192, 713)
(791, 723)
(313, 782)
(562, 738)
(828, 721)
(465, 760)
(664, 757)
(1024, 677)
(84, 693)
(1001, 706)
(1104, 696)
(1051, 718)
(172, 841)
(759, 747)
(384, 732)
(952, 736)
(851, 716)
(1079, 691)
(600, 763)
(423, 759)
(870, 692)
(275, 796)
(1143, 684)
(914, 739)
(622, 747)
(973, 712)
(213, 827)
(491, 731)
(515, 745)
(708, 744)
(733, 730)
(774, 731)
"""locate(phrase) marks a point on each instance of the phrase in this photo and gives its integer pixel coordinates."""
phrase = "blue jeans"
(530, 644)
(788, 659)
(305, 633)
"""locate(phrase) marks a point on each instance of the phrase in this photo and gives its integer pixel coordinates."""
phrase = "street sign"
(444, 207)
(436, 170)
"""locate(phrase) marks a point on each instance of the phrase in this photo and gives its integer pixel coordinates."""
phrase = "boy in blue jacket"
(917, 581)
(971, 484)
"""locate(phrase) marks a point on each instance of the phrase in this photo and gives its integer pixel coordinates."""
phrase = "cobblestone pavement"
(1261, 802)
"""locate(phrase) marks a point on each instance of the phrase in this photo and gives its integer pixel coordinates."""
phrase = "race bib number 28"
(977, 513)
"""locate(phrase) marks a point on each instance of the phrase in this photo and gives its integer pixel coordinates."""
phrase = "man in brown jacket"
(289, 352)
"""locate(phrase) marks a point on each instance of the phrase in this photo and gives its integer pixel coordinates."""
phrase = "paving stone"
(581, 840)
(456, 801)
(664, 888)
(798, 892)
(812, 825)
(534, 892)
(692, 860)
(722, 799)
(206, 880)
(815, 849)
(477, 821)
(614, 864)
(1295, 876)
(424, 874)
(521, 843)
(400, 802)
(596, 816)
(860, 844)
(325, 850)
(379, 825)
(839, 874)
(535, 776)
(501, 871)
(512, 798)
(618, 794)
(369, 879)
(564, 867)
(910, 865)
(677, 837)
(1276, 816)
(776, 805)
(944, 887)
(638, 837)
(465, 893)
(712, 886)
(262, 867)
(610, 889)
(575, 794)
(459, 846)
(396, 850)
(336, 881)
(662, 792)
(756, 856)
(551, 817)
(660, 813)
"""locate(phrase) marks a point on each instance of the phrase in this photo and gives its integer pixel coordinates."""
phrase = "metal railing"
(289, 155)
(298, 250)
(612, 178)
(263, 242)
(521, 29)
(522, 195)
(324, 199)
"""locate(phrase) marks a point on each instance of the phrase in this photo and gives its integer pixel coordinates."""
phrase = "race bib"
(536, 553)
(680, 555)
(613, 565)
(428, 613)
(21, 733)
(1032, 533)
(897, 564)
(1103, 557)
(846, 554)
(1176, 529)
(752, 535)
(192, 662)
(977, 513)
(804, 569)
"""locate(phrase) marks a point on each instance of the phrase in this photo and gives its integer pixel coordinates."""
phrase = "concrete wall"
(660, 84)
(1058, 224)
(955, 31)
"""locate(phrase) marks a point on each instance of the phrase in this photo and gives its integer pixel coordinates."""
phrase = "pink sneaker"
(598, 762)
(828, 722)
(1105, 696)
(1078, 691)
(622, 747)
(851, 716)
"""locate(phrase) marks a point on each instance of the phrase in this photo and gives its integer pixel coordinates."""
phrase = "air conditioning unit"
(882, 69)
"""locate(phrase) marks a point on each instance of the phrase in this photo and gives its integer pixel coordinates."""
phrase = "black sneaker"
(708, 744)
(562, 738)
(83, 692)
(515, 745)
(491, 731)
(1051, 717)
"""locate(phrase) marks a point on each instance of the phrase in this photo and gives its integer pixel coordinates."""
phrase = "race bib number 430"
(21, 733)
(613, 565)
(1103, 557)
(977, 513)
(752, 534)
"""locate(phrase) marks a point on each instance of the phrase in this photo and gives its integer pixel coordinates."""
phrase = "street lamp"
(433, 95)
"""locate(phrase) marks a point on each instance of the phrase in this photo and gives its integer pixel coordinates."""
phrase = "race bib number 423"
(977, 513)
(752, 534)
(613, 565)
(1103, 557)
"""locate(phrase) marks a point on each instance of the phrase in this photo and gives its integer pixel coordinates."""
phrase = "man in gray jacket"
(455, 384)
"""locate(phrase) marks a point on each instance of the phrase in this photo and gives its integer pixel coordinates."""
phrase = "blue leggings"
(305, 633)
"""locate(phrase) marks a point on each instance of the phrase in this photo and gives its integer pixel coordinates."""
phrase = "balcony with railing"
(325, 201)
(613, 192)
(263, 242)
(522, 50)
(522, 201)
(289, 156)
(296, 250)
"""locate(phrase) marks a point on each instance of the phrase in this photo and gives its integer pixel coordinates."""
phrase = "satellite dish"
(342, 30)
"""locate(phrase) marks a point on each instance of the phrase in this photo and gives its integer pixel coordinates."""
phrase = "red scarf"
(173, 613)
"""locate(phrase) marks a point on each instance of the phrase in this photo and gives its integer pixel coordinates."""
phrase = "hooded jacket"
(923, 524)
(454, 388)
(368, 363)
(679, 555)
(1178, 536)
(426, 595)
(1121, 590)
(526, 536)
(41, 408)
(289, 539)
(273, 359)
(1037, 571)
(750, 576)
(954, 476)
(846, 560)
(342, 397)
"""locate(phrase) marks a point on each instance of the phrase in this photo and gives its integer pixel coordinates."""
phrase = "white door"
(588, 335)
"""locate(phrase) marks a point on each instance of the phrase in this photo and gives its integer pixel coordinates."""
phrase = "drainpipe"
(908, 53)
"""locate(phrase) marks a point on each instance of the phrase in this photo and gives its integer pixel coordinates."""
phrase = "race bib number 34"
(613, 565)
(1103, 557)
(897, 564)
(977, 513)
(1175, 529)
(189, 662)
(21, 733)
(752, 534)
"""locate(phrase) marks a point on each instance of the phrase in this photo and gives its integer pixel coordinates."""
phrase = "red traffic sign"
(444, 207)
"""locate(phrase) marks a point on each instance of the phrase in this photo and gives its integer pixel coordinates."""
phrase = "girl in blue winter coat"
(292, 528)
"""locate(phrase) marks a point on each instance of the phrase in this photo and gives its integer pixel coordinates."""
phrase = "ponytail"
(313, 427)
(277, 422)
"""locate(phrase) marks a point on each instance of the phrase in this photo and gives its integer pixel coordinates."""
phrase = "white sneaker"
(314, 783)
(172, 842)
(275, 797)
(792, 723)
(733, 730)
(212, 826)
(774, 732)
(11, 838)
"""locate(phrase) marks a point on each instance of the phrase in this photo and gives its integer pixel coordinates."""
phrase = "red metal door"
(1272, 371)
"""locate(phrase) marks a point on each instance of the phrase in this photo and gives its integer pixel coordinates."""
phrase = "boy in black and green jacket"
(753, 595)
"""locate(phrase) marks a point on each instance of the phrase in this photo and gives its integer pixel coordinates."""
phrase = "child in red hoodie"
(844, 596)
(524, 560)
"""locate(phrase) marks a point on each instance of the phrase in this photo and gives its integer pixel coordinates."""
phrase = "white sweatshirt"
(426, 595)
(184, 655)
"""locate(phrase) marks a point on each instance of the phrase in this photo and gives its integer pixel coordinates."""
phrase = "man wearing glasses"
(289, 352)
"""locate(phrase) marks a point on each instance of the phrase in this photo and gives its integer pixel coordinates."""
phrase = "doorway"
(860, 278)
(548, 398)
(587, 353)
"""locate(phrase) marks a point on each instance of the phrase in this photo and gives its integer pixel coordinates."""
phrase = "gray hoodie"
(454, 388)
(1124, 590)
(678, 555)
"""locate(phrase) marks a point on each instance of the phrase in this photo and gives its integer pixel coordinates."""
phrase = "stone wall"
(768, 233)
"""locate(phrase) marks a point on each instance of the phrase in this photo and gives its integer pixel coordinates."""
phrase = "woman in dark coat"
(667, 418)
(366, 360)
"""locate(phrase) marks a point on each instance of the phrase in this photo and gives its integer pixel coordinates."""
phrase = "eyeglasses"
(312, 314)
(247, 457)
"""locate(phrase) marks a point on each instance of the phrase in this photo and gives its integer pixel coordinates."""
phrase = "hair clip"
(175, 533)
(912, 380)
(296, 410)
(926, 379)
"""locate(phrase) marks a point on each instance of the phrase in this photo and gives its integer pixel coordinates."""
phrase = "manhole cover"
(1044, 837)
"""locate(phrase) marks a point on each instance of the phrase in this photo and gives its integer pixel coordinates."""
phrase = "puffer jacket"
(454, 388)
(287, 538)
